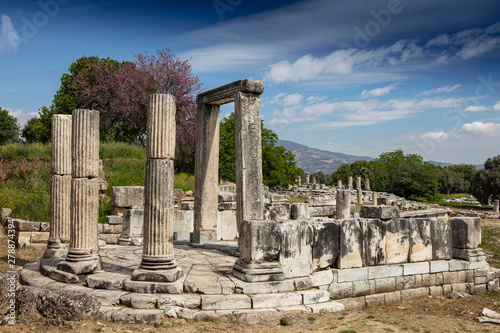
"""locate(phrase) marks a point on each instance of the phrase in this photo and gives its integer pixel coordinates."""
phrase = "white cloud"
(480, 128)
(21, 116)
(317, 99)
(496, 107)
(435, 136)
(378, 91)
(9, 38)
(473, 108)
(444, 89)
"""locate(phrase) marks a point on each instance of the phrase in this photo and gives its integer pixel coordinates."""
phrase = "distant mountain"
(312, 160)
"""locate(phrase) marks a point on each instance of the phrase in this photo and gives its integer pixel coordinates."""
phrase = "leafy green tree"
(486, 185)
(404, 175)
(355, 169)
(9, 128)
(278, 164)
(38, 129)
(321, 177)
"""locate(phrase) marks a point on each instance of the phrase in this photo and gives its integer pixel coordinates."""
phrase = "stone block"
(133, 225)
(351, 244)
(226, 197)
(353, 303)
(279, 212)
(458, 265)
(385, 271)
(22, 225)
(322, 278)
(439, 266)
(341, 290)
(44, 226)
(397, 238)
(466, 232)
(314, 296)
(393, 297)
(187, 205)
(326, 241)
(374, 242)
(385, 285)
(183, 224)
(22, 238)
(327, 307)
(226, 225)
(299, 211)
(362, 288)
(354, 274)
(420, 240)
(263, 287)
(127, 196)
(316, 212)
(39, 237)
(154, 287)
(295, 256)
(139, 301)
(493, 285)
(379, 212)
(109, 238)
(436, 290)
(414, 293)
(302, 283)
(416, 268)
(225, 302)
(258, 241)
(184, 300)
(441, 240)
(138, 316)
(330, 211)
(275, 300)
(115, 219)
(375, 300)
(227, 206)
(109, 281)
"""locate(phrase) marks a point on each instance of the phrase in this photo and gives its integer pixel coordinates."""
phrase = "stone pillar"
(374, 199)
(60, 187)
(349, 182)
(367, 184)
(158, 262)
(358, 182)
(300, 181)
(339, 183)
(83, 254)
(314, 180)
(496, 206)
(206, 174)
(249, 180)
(360, 195)
(343, 209)
(307, 179)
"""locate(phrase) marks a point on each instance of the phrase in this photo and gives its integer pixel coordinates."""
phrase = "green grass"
(489, 240)
(121, 150)
(25, 150)
(297, 200)
(124, 172)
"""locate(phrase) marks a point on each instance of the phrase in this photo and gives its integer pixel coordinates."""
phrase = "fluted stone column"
(83, 254)
(496, 206)
(300, 181)
(349, 182)
(60, 187)
(158, 262)
(314, 180)
(360, 195)
(307, 178)
(374, 199)
(367, 184)
(339, 184)
(343, 208)
(358, 182)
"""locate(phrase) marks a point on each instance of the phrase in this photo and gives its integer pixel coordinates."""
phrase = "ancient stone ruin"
(320, 255)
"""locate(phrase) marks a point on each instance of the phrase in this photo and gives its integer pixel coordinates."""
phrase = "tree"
(487, 182)
(278, 164)
(9, 128)
(355, 169)
(38, 129)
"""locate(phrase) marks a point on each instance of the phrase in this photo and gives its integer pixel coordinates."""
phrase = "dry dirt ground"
(429, 314)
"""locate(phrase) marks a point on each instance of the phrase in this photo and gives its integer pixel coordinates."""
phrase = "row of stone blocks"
(274, 250)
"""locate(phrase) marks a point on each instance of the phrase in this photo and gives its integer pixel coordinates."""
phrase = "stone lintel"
(226, 94)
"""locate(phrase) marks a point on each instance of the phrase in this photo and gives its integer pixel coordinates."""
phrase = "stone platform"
(209, 290)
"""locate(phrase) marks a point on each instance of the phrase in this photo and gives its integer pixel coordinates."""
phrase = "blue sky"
(357, 77)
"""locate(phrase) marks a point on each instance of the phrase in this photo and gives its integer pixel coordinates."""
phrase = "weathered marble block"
(466, 232)
(374, 242)
(295, 256)
(420, 240)
(183, 224)
(379, 212)
(259, 241)
(441, 240)
(226, 225)
(326, 243)
(127, 196)
(351, 244)
(132, 227)
(279, 212)
(397, 240)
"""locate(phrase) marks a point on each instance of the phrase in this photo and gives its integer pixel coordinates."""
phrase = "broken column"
(343, 209)
(374, 198)
(358, 182)
(158, 262)
(314, 180)
(83, 254)
(300, 181)
(496, 206)
(359, 193)
(307, 178)
(367, 184)
(349, 182)
(339, 183)
(60, 187)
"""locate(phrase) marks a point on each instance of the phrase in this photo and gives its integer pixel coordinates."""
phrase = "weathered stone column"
(339, 184)
(158, 262)
(249, 180)
(343, 209)
(307, 178)
(349, 182)
(360, 195)
(300, 181)
(496, 206)
(60, 187)
(83, 254)
(206, 174)
(374, 199)
(367, 184)
(314, 180)
(358, 182)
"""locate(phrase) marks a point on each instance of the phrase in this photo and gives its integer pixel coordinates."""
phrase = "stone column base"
(88, 264)
(203, 236)
(161, 275)
(56, 250)
(253, 272)
(130, 241)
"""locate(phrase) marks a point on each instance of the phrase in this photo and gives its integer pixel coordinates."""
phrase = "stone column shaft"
(307, 179)
(249, 181)
(360, 195)
(358, 182)
(60, 158)
(343, 208)
(161, 127)
(367, 184)
(349, 182)
(85, 144)
(206, 174)
(339, 184)
(496, 205)
(300, 181)
(314, 180)
(374, 199)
